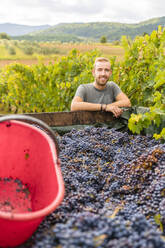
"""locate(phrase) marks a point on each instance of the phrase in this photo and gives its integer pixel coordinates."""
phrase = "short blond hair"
(101, 59)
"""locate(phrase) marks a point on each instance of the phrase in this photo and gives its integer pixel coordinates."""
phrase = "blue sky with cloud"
(40, 12)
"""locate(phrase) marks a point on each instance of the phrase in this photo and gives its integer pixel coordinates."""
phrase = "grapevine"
(141, 76)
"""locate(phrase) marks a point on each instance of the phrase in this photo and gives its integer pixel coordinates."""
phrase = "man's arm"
(78, 104)
(121, 101)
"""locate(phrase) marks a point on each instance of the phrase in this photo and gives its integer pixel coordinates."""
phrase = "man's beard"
(100, 83)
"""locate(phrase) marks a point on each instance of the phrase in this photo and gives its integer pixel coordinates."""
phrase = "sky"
(52, 12)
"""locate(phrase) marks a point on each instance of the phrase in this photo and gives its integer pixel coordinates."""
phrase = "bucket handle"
(31, 120)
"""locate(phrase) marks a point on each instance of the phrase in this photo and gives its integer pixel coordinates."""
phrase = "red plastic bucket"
(31, 184)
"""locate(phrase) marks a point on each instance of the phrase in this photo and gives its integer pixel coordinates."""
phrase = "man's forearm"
(121, 103)
(76, 106)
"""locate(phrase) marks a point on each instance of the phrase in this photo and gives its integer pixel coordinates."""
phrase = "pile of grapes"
(114, 193)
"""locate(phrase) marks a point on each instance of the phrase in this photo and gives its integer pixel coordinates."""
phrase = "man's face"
(102, 72)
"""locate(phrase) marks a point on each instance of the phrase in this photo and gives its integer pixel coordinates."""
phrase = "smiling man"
(101, 95)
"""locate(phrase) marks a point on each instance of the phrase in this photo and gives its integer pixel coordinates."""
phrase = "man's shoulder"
(111, 84)
(113, 87)
(83, 89)
(86, 86)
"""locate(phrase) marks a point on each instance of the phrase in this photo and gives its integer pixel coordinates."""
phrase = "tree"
(116, 42)
(4, 36)
(145, 34)
(103, 39)
(11, 50)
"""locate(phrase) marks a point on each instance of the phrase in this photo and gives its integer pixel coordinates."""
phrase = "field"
(106, 49)
(29, 53)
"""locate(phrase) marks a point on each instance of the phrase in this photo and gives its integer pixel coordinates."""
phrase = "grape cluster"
(114, 192)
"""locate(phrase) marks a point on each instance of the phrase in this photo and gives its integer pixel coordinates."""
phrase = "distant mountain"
(92, 31)
(17, 29)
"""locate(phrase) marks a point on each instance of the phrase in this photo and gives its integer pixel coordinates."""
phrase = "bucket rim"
(32, 121)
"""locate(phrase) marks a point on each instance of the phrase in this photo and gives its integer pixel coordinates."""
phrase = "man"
(100, 95)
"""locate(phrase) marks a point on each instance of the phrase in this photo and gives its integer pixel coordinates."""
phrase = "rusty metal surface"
(73, 118)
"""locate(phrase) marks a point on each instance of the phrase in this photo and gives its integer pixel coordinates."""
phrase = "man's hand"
(114, 109)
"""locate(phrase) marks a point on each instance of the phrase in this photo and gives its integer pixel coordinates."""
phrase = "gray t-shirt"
(89, 93)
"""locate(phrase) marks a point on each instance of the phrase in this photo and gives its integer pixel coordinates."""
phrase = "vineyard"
(48, 88)
(14, 50)
(114, 181)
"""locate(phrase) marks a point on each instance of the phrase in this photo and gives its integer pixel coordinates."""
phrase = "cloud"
(82, 7)
(53, 11)
(37, 12)
(63, 6)
(129, 11)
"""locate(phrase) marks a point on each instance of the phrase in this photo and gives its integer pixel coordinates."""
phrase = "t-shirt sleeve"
(116, 89)
(80, 92)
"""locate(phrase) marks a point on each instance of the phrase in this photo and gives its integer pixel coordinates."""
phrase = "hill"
(17, 29)
(77, 32)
